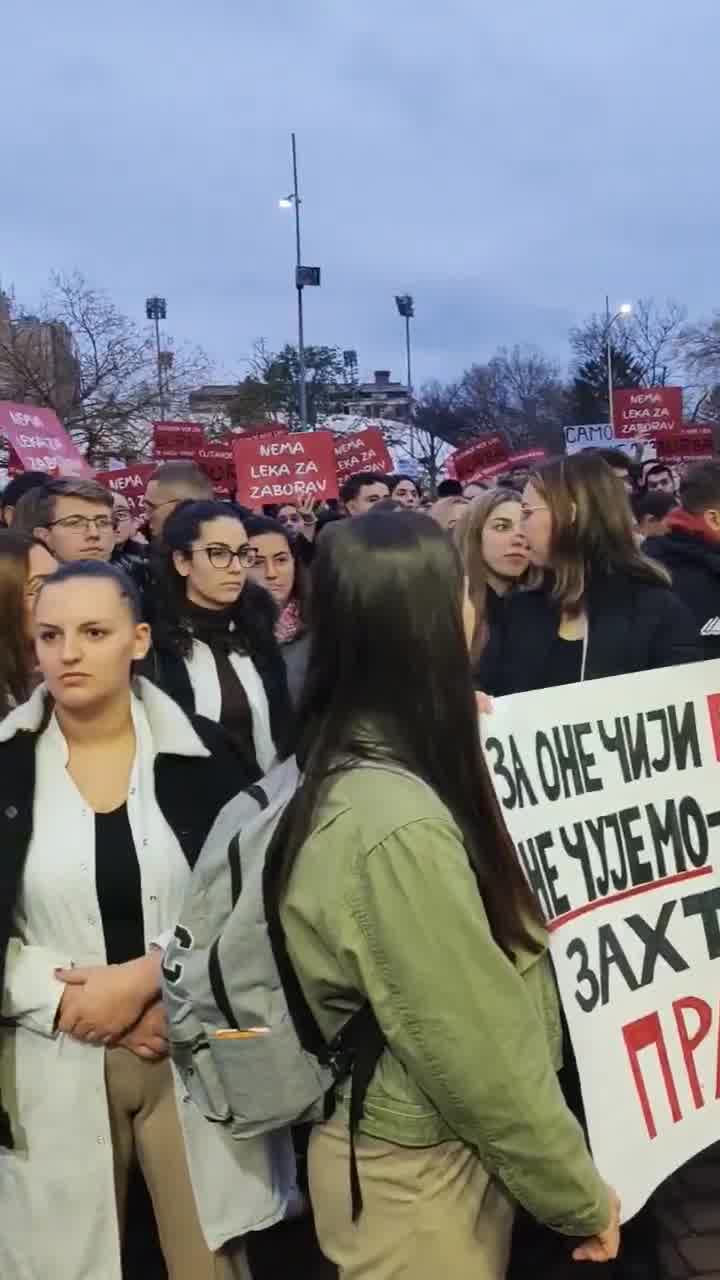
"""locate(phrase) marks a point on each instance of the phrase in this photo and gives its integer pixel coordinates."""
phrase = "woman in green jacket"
(401, 887)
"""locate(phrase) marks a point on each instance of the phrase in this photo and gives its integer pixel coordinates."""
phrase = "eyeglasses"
(527, 512)
(221, 557)
(155, 506)
(81, 524)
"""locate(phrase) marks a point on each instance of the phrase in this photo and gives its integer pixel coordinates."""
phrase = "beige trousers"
(428, 1212)
(144, 1120)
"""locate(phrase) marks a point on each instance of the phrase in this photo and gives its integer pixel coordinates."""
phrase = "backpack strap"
(358, 1046)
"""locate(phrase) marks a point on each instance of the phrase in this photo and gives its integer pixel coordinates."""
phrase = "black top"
(632, 626)
(564, 663)
(694, 564)
(235, 713)
(119, 892)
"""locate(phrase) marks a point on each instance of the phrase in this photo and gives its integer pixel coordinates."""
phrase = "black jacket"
(633, 626)
(190, 790)
(695, 567)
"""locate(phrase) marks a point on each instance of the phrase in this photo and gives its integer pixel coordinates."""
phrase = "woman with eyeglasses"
(24, 565)
(214, 647)
(603, 609)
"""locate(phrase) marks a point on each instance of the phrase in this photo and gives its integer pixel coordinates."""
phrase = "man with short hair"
(360, 492)
(659, 478)
(76, 520)
(16, 489)
(691, 550)
(450, 489)
(172, 483)
(652, 512)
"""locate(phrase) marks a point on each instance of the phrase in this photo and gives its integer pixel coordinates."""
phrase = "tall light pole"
(303, 276)
(621, 314)
(156, 309)
(405, 304)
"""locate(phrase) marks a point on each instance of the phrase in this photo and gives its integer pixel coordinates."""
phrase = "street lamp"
(405, 304)
(303, 276)
(622, 313)
(156, 309)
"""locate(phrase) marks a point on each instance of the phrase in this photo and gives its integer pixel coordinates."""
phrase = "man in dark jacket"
(691, 551)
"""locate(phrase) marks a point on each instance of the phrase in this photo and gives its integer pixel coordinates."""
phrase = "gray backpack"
(242, 1035)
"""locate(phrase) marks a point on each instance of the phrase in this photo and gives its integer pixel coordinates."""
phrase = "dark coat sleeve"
(674, 638)
(489, 669)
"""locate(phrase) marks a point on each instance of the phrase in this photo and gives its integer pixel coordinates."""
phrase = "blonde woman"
(495, 553)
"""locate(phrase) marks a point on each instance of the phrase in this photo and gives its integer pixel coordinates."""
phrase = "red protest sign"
(466, 464)
(288, 468)
(361, 451)
(130, 481)
(174, 440)
(694, 443)
(263, 429)
(647, 411)
(40, 441)
(524, 460)
(216, 460)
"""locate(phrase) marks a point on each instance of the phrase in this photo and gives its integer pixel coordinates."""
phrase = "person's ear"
(143, 641)
(712, 520)
(182, 563)
(43, 534)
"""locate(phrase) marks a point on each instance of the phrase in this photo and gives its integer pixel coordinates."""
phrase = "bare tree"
(520, 395)
(80, 356)
(646, 340)
(653, 334)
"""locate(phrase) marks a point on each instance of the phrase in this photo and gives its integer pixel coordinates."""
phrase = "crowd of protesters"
(150, 670)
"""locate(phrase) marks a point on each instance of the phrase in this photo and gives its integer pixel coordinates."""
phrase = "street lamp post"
(624, 310)
(156, 309)
(303, 276)
(405, 304)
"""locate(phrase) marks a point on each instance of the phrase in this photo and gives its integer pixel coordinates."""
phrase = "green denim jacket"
(382, 903)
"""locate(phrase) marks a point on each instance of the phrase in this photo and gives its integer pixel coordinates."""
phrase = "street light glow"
(626, 309)
(286, 202)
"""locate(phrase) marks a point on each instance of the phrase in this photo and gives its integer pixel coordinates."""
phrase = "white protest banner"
(611, 792)
(600, 435)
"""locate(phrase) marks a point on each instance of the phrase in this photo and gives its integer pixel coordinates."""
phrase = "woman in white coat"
(214, 645)
(107, 792)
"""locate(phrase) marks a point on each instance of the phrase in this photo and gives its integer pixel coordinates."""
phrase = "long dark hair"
(253, 614)
(15, 652)
(592, 531)
(389, 654)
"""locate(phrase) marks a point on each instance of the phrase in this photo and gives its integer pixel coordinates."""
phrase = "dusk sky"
(508, 164)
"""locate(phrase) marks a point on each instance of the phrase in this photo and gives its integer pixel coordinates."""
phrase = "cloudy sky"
(507, 163)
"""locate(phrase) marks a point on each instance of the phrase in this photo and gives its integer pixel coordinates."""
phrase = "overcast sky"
(507, 163)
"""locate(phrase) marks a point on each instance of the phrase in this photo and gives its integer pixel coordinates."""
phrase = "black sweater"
(695, 567)
(633, 626)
